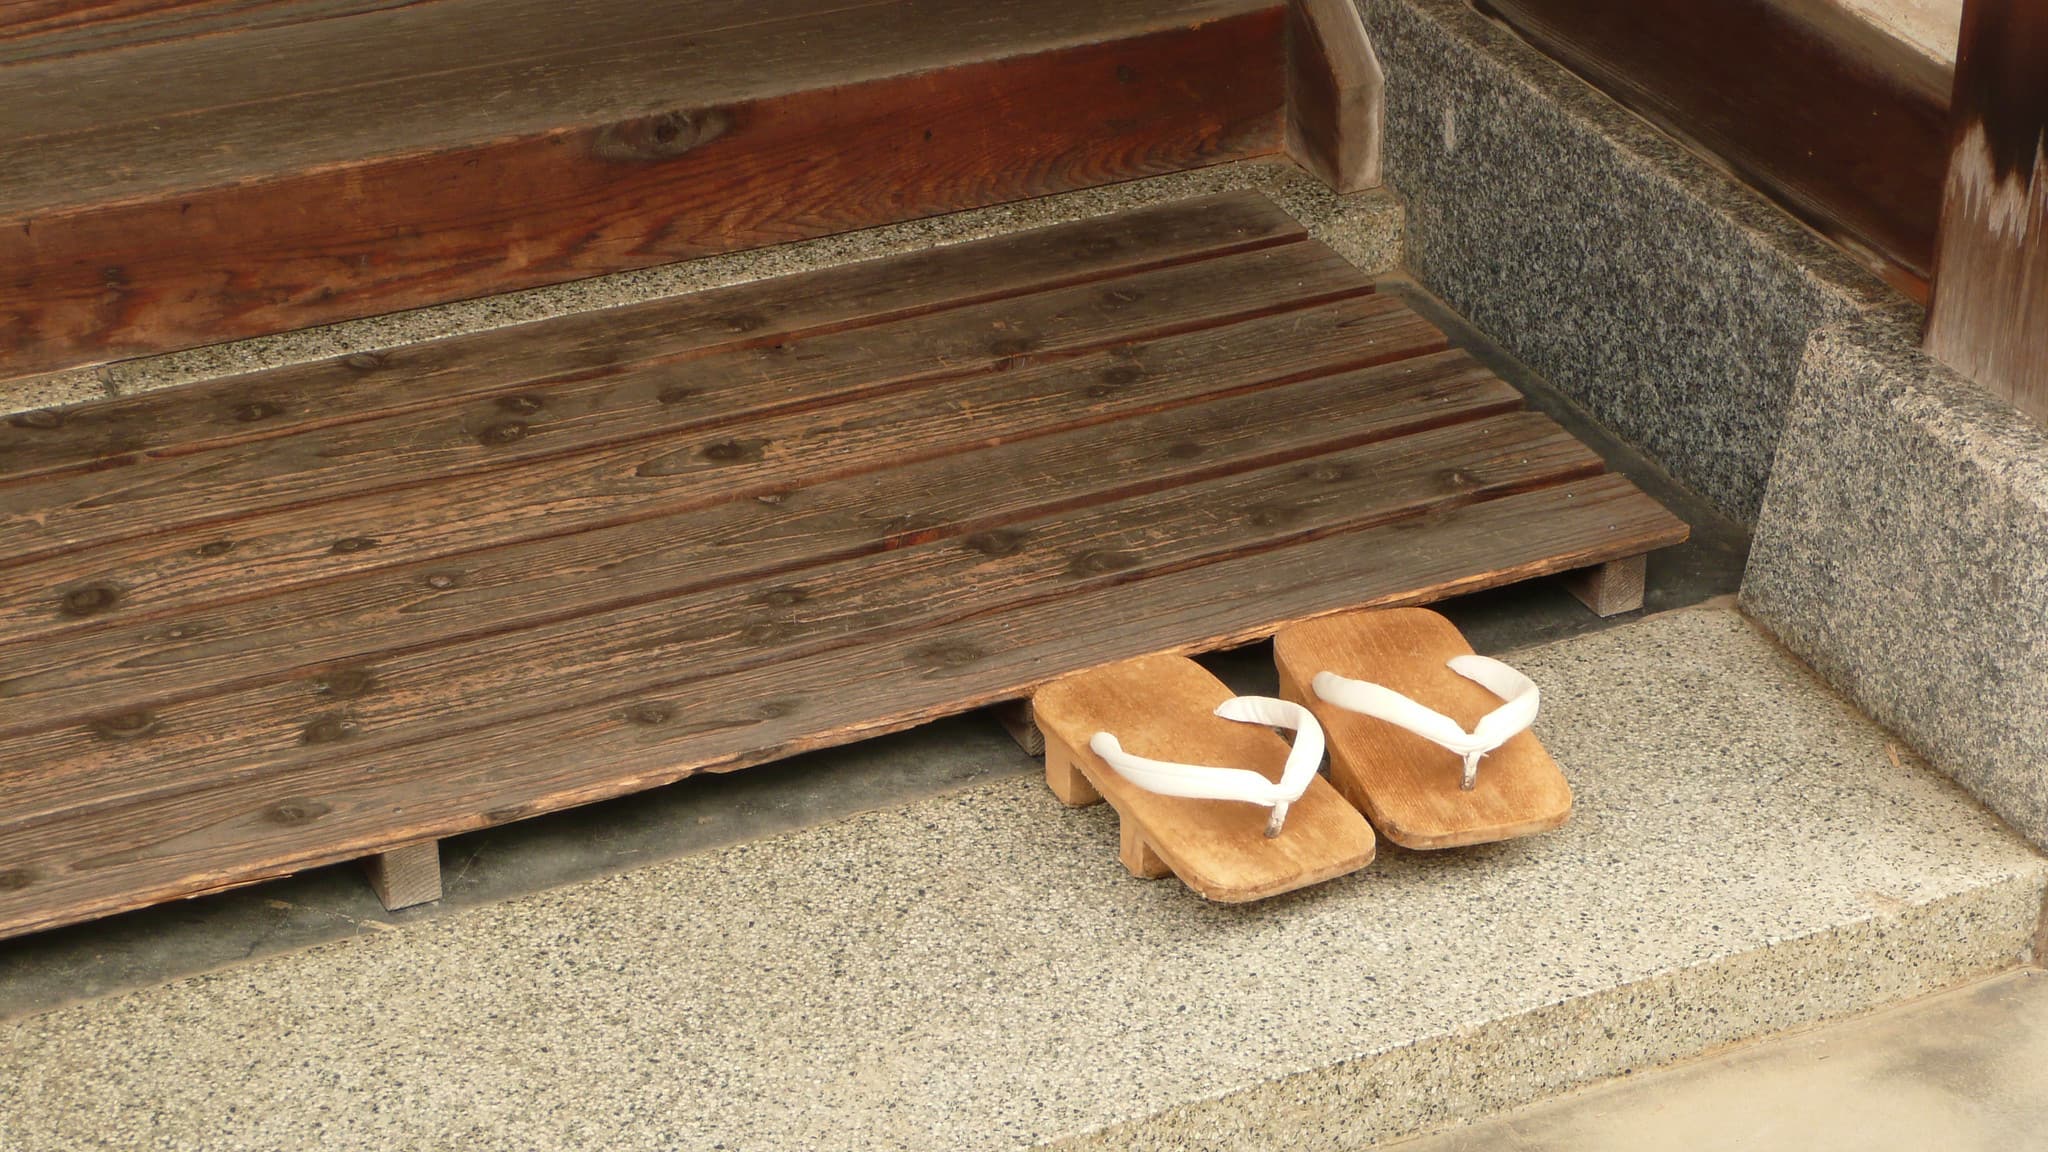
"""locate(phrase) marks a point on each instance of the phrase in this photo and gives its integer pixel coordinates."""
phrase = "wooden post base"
(1015, 717)
(405, 876)
(1612, 588)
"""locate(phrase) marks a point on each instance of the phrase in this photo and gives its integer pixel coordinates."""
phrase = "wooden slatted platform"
(318, 613)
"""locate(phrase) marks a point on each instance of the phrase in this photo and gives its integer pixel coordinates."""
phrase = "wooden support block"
(1334, 95)
(1015, 717)
(407, 875)
(1138, 856)
(1612, 588)
(1065, 778)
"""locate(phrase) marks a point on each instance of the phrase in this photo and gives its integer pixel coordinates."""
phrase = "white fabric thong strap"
(1200, 782)
(1493, 730)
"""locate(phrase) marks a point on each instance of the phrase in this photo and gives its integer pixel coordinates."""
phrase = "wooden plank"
(1989, 315)
(114, 859)
(142, 270)
(1838, 122)
(1334, 94)
(409, 695)
(61, 513)
(638, 480)
(406, 876)
(49, 29)
(124, 668)
(608, 342)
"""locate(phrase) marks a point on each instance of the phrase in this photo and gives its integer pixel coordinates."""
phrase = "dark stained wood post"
(1334, 86)
(1989, 314)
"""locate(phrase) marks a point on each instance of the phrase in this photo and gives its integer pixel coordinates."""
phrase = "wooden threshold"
(500, 575)
(186, 174)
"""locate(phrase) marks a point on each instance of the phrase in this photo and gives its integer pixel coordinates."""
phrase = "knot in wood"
(998, 542)
(42, 419)
(662, 136)
(521, 405)
(15, 879)
(346, 684)
(351, 544)
(364, 361)
(254, 410)
(1098, 561)
(214, 548)
(649, 715)
(502, 433)
(126, 726)
(90, 600)
(328, 730)
(292, 813)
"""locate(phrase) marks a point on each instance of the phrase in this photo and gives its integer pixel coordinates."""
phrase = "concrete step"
(975, 970)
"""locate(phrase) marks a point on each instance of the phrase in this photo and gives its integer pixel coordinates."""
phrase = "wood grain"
(401, 696)
(610, 342)
(59, 513)
(1163, 707)
(1335, 94)
(440, 183)
(108, 860)
(1409, 786)
(728, 543)
(1989, 315)
(638, 480)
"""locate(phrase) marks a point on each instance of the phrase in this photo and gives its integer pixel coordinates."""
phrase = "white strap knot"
(1493, 730)
(1197, 782)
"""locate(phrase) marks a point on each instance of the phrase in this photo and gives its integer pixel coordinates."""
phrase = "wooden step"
(183, 172)
(372, 618)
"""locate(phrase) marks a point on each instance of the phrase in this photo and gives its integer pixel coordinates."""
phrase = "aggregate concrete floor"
(1955, 1072)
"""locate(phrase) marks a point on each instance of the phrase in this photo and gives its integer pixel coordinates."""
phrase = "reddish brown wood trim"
(322, 246)
(1839, 123)
(1989, 317)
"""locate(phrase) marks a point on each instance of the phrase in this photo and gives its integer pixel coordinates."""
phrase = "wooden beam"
(304, 174)
(1334, 94)
(1835, 120)
(1989, 315)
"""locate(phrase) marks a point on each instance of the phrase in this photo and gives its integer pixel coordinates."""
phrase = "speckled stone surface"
(1903, 551)
(977, 971)
(1365, 228)
(1668, 299)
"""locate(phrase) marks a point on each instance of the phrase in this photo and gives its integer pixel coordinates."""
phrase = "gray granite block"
(1365, 228)
(1903, 551)
(977, 971)
(1669, 300)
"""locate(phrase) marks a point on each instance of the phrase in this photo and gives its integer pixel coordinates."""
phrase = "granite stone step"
(976, 970)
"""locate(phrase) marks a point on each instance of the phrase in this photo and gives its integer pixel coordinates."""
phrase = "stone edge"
(1453, 1080)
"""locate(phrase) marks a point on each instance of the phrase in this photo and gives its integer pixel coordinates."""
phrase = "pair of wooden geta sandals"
(1427, 741)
